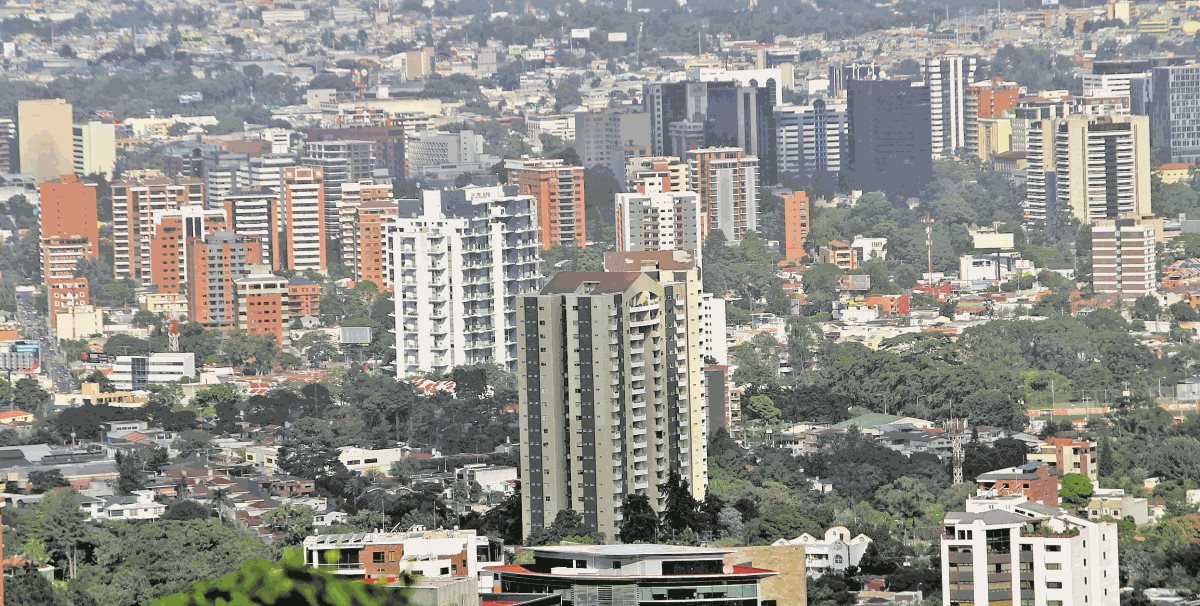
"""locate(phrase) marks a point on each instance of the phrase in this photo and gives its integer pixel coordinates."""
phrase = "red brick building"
(63, 294)
(795, 226)
(215, 263)
(559, 191)
(1032, 480)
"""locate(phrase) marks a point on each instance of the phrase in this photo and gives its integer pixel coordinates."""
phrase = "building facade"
(810, 139)
(215, 264)
(44, 138)
(947, 78)
(1124, 258)
(726, 180)
(68, 227)
(138, 200)
(304, 215)
(889, 134)
(559, 192)
(1175, 113)
(94, 148)
(659, 221)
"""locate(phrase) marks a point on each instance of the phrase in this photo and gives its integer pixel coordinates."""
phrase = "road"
(34, 326)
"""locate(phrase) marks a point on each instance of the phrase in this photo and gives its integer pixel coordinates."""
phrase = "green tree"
(639, 522)
(192, 443)
(28, 587)
(187, 510)
(42, 480)
(1146, 307)
(1075, 491)
(106, 385)
(290, 523)
(62, 528)
(29, 396)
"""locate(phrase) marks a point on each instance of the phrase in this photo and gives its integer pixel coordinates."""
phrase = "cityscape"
(600, 303)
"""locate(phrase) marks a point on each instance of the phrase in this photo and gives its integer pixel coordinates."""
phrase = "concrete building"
(836, 551)
(1124, 258)
(78, 322)
(94, 148)
(303, 209)
(215, 263)
(138, 200)
(811, 139)
(727, 182)
(1175, 113)
(68, 227)
(364, 240)
(655, 173)
(62, 294)
(8, 146)
(947, 78)
(1090, 167)
(890, 136)
(605, 138)
(1032, 480)
(44, 135)
(1011, 549)
(458, 260)
(137, 372)
(446, 155)
(388, 142)
(255, 211)
(659, 221)
(265, 172)
(795, 225)
(839, 253)
(388, 556)
(559, 192)
(1064, 455)
(988, 100)
(341, 161)
(601, 416)
(262, 303)
(637, 575)
(174, 232)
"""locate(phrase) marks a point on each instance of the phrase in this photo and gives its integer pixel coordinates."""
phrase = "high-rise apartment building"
(1011, 550)
(986, 100)
(655, 173)
(255, 211)
(605, 138)
(727, 182)
(265, 172)
(659, 221)
(1124, 258)
(610, 385)
(947, 78)
(215, 263)
(94, 148)
(8, 146)
(457, 261)
(262, 303)
(303, 207)
(68, 227)
(810, 139)
(340, 161)
(1175, 113)
(44, 135)
(388, 142)
(1092, 167)
(138, 200)
(795, 225)
(890, 146)
(559, 191)
(364, 240)
(174, 232)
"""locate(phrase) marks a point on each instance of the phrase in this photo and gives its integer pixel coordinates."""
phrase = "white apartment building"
(94, 147)
(458, 260)
(655, 173)
(1124, 258)
(341, 162)
(727, 182)
(1011, 550)
(659, 221)
(136, 372)
(137, 201)
(948, 78)
(265, 172)
(255, 211)
(810, 138)
(304, 219)
(446, 153)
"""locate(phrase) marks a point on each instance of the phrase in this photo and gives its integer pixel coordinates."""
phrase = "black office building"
(890, 145)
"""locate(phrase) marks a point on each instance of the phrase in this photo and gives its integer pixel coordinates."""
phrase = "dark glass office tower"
(889, 137)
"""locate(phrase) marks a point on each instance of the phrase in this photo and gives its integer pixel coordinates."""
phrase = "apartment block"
(215, 263)
(605, 138)
(987, 100)
(304, 298)
(265, 172)
(659, 221)
(138, 201)
(94, 148)
(559, 192)
(947, 78)
(304, 219)
(1065, 455)
(646, 174)
(138, 372)
(340, 161)
(1175, 113)
(63, 294)
(727, 182)
(262, 303)
(174, 232)
(601, 416)
(1090, 167)
(387, 141)
(795, 225)
(364, 239)
(811, 139)
(44, 138)
(457, 261)
(256, 211)
(8, 146)
(1124, 258)
(1010, 550)
(68, 226)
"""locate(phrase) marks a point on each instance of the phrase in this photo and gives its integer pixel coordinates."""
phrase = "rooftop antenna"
(173, 335)
(929, 249)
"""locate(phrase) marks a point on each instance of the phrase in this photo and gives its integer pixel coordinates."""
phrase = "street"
(34, 326)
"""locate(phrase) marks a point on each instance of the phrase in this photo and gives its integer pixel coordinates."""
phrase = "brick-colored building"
(262, 299)
(559, 191)
(839, 253)
(1064, 455)
(1032, 480)
(304, 298)
(255, 211)
(795, 226)
(383, 556)
(168, 248)
(137, 202)
(889, 305)
(364, 237)
(69, 231)
(215, 263)
(63, 294)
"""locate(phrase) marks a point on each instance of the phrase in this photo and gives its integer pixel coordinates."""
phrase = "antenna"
(173, 335)
(957, 449)
(929, 249)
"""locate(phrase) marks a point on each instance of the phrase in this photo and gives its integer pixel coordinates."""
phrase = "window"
(1053, 585)
(377, 557)
(1053, 566)
(1054, 548)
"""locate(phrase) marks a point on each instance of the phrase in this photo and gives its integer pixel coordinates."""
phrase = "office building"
(1175, 113)
(727, 182)
(68, 227)
(255, 211)
(44, 136)
(138, 200)
(8, 146)
(138, 372)
(603, 138)
(690, 115)
(262, 303)
(94, 148)
(559, 192)
(303, 207)
(364, 240)
(1011, 550)
(174, 232)
(1123, 258)
(890, 146)
(609, 376)
(636, 575)
(987, 100)
(841, 75)
(1092, 167)
(340, 161)
(645, 174)
(810, 139)
(215, 263)
(795, 226)
(659, 221)
(446, 155)
(64, 294)
(457, 261)
(388, 143)
(947, 78)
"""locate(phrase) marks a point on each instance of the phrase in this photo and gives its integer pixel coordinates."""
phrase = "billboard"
(356, 335)
(992, 241)
(581, 33)
(618, 37)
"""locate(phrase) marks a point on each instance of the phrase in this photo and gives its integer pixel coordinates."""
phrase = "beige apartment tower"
(1124, 258)
(44, 136)
(610, 383)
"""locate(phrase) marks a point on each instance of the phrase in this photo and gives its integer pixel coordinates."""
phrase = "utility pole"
(929, 250)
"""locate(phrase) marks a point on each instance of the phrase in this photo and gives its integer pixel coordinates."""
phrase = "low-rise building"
(137, 372)
(1032, 480)
(1065, 455)
(386, 556)
(836, 551)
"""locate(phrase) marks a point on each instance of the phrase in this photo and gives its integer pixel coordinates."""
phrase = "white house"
(837, 551)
